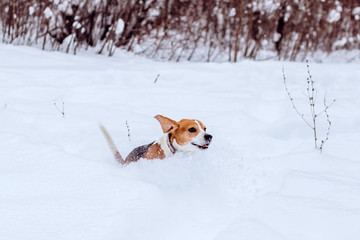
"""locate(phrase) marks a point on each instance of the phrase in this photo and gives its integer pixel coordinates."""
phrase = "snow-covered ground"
(260, 179)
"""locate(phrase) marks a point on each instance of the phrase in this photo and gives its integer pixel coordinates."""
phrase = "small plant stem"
(157, 77)
(292, 101)
(329, 124)
(62, 112)
(128, 129)
(311, 94)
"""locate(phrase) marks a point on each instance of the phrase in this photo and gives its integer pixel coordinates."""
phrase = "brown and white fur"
(186, 135)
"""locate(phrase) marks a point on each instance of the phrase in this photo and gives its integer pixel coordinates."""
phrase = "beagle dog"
(186, 135)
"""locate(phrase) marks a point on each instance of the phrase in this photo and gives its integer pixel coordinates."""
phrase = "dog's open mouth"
(205, 146)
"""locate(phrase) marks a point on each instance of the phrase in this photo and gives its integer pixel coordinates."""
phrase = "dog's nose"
(208, 137)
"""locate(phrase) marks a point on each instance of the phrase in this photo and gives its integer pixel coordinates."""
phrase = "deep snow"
(260, 179)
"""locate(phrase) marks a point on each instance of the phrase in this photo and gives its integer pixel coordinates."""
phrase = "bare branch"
(128, 129)
(292, 101)
(329, 124)
(157, 77)
(62, 111)
(326, 107)
(311, 96)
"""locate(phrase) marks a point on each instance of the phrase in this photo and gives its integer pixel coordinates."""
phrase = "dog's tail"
(112, 145)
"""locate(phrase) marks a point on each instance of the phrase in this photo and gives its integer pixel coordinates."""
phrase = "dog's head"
(186, 135)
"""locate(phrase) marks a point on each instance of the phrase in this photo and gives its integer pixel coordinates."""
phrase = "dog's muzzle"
(208, 139)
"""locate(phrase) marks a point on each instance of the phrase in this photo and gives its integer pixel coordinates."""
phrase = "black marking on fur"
(171, 147)
(138, 153)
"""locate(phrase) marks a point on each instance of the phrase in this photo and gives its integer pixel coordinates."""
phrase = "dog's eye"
(192, 130)
(205, 129)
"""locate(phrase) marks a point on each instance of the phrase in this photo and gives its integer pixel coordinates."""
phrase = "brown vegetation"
(185, 29)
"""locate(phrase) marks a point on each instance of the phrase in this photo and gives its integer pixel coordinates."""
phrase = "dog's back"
(138, 153)
(133, 156)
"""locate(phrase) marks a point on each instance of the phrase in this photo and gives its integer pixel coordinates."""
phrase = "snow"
(154, 13)
(356, 11)
(259, 179)
(276, 37)
(65, 6)
(334, 15)
(69, 39)
(31, 10)
(119, 26)
(48, 13)
(341, 42)
(77, 25)
(232, 12)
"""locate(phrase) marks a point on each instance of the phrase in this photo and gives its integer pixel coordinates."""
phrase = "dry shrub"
(185, 29)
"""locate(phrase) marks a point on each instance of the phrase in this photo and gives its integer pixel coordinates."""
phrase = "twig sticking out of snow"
(292, 100)
(62, 111)
(157, 77)
(328, 121)
(311, 96)
(128, 129)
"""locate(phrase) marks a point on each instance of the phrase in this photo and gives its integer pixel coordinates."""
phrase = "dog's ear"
(167, 124)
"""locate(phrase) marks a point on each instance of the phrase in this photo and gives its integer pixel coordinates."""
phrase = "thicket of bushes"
(185, 29)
